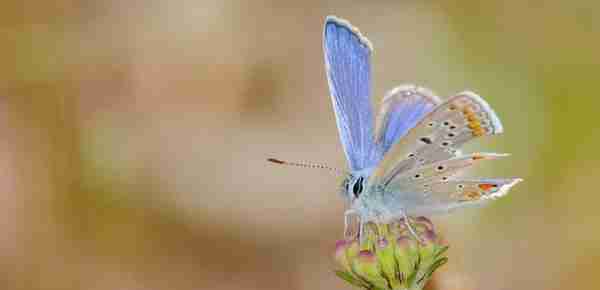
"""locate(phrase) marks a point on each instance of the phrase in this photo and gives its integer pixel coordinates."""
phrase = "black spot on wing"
(426, 140)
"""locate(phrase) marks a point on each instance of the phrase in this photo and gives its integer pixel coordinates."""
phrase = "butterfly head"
(355, 184)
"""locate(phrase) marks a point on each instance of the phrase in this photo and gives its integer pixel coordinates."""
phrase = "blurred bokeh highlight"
(134, 136)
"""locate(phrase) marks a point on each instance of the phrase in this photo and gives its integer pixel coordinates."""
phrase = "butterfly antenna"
(307, 165)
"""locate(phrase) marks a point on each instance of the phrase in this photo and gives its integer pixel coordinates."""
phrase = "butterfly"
(404, 161)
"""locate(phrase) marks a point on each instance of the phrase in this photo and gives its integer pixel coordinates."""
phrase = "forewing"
(445, 196)
(348, 68)
(401, 109)
(439, 135)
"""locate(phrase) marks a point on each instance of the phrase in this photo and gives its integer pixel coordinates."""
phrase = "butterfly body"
(404, 160)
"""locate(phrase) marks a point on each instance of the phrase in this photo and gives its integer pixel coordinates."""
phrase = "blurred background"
(133, 139)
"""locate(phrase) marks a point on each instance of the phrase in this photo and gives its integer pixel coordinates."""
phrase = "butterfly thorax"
(367, 200)
(374, 202)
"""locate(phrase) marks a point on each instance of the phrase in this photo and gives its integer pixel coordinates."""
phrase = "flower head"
(390, 257)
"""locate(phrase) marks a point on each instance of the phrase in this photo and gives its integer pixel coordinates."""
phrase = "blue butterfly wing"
(402, 108)
(348, 68)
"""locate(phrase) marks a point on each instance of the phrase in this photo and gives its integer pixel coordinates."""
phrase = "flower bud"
(367, 266)
(340, 254)
(389, 256)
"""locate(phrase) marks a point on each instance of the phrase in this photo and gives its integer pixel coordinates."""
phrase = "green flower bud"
(389, 256)
(407, 257)
(366, 266)
(387, 260)
(345, 253)
(340, 255)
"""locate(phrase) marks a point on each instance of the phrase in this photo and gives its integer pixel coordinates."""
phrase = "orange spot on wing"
(477, 157)
(478, 132)
(474, 126)
(471, 195)
(487, 186)
(473, 122)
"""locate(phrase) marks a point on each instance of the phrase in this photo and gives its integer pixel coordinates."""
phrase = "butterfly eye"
(358, 187)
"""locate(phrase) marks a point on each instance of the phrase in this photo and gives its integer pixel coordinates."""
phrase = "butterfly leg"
(347, 232)
(361, 237)
(410, 228)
